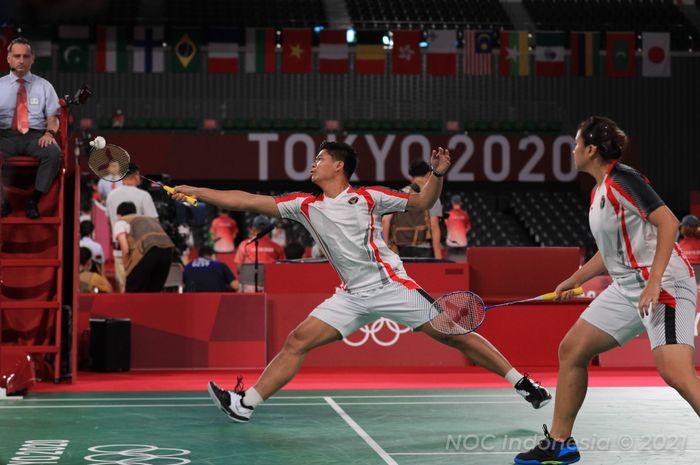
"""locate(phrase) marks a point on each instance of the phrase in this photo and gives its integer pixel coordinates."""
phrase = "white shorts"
(348, 312)
(619, 316)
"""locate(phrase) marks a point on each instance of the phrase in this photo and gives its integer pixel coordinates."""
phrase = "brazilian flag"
(186, 50)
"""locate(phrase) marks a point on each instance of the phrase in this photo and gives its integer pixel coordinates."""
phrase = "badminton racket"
(462, 312)
(111, 162)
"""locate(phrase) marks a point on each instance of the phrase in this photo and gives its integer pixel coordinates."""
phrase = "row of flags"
(370, 57)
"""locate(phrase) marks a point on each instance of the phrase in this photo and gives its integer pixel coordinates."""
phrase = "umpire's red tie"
(21, 119)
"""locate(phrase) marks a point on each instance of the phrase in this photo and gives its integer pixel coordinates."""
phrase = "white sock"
(252, 399)
(513, 376)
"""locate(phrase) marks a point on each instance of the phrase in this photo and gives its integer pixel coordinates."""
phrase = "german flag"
(370, 56)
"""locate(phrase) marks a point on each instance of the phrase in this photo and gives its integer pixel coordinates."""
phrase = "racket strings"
(110, 162)
(458, 313)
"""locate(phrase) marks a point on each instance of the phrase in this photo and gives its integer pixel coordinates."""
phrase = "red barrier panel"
(512, 273)
(186, 330)
(290, 299)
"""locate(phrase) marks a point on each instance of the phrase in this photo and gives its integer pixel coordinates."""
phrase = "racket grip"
(189, 199)
(553, 295)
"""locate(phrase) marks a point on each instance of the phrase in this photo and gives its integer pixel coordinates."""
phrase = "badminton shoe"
(550, 452)
(230, 402)
(533, 392)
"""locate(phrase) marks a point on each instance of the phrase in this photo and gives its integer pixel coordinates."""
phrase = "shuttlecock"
(99, 142)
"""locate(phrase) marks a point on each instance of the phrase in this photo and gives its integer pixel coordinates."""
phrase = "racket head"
(459, 312)
(110, 162)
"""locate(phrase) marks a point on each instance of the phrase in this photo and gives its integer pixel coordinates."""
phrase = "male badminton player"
(653, 287)
(346, 223)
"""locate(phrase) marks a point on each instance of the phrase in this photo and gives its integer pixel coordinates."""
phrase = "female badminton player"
(653, 288)
(346, 222)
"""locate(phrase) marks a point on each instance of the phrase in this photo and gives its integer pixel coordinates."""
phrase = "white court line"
(273, 404)
(422, 396)
(360, 432)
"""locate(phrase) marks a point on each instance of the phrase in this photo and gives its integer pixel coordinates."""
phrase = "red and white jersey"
(618, 217)
(691, 249)
(349, 230)
(458, 226)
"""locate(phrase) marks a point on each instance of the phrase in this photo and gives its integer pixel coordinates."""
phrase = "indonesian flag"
(223, 50)
(442, 52)
(333, 52)
(657, 59)
(110, 49)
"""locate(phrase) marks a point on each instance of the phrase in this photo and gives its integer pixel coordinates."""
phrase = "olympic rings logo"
(136, 454)
(372, 331)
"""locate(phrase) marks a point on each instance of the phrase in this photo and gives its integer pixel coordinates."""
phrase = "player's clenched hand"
(565, 291)
(183, 191)
(440, 160)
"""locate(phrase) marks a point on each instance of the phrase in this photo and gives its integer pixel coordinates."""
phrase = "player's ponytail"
(606, 135)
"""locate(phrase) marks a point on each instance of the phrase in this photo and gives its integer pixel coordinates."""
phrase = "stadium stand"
(621, 15)
(370, 14)
(261, 13)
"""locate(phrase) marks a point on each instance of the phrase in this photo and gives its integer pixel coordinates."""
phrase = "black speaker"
(110, 344)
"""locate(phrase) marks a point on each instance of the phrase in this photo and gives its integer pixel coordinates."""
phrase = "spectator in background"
(458, 225)
(268, 251)
(146, 249)
(415, 233)
(205, 274)
(128, 192)
(86, 240)
(118, 118)
(279, 234)
(224, 230)
(690, 243)
(29, 113)
(105, 186)
(89, 280)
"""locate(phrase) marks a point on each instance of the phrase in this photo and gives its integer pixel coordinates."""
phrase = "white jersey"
(349, 230)
(618, 217)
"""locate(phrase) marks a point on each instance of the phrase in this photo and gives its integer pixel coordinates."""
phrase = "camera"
(81, 96)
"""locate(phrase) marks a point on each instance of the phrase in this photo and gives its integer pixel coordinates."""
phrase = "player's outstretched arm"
(426, 198)
(231, 200)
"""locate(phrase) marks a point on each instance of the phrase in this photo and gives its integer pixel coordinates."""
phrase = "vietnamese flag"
(296, 51)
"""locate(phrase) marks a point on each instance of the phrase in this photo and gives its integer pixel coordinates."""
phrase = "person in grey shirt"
(29, 112)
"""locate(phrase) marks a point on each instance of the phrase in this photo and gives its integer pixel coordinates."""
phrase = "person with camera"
(142, 200)
(29, 111)
(146, 249)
